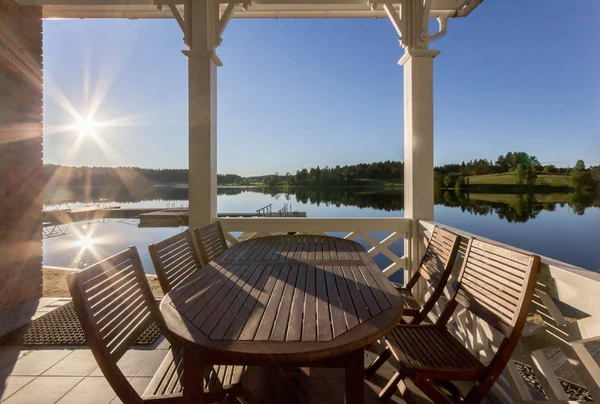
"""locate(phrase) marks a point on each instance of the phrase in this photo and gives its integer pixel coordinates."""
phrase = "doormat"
(61, 327)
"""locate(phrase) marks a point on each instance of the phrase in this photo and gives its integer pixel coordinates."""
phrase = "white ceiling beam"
(259, 9)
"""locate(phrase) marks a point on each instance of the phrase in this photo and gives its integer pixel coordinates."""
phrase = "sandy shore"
(55, 283)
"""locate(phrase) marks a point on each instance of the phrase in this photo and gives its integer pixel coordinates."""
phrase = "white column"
(202, 76)
(418, 146)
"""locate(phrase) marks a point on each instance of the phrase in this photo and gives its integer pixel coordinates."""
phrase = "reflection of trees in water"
(580, 200)
(381, 200)
(524, 207)
(133, 194)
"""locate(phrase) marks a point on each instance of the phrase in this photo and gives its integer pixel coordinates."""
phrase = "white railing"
(567, 306)
(237, 229)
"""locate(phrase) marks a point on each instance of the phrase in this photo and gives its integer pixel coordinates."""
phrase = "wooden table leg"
(355, 377)
(193, 378)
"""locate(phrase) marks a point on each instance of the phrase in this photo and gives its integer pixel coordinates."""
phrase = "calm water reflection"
(562, 226)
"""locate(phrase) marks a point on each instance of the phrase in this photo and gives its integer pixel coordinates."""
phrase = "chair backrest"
(211, 241)
(115, 305)
(174, 260)
(436, 267)
(496, 284)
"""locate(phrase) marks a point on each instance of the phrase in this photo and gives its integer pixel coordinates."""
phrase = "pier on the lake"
(149, 217)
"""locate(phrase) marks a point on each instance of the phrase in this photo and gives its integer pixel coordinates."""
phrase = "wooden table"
(283, 300)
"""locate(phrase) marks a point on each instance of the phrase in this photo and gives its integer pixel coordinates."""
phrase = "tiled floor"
(70, 375)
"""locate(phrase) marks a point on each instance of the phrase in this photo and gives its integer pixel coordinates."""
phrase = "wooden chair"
(496, 284)
(435, 268)
(174, 260)
(211, 241)
(115, 305)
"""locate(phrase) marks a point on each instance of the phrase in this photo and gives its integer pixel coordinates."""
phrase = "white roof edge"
(135, 9)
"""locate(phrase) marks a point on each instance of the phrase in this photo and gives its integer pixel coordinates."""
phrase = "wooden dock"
(149, 217)
(175, 218)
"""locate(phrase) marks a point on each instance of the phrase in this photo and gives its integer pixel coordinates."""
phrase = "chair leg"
(390, 388)
(381, 359)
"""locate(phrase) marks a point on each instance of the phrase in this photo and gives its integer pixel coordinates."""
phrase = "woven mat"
(61, 327)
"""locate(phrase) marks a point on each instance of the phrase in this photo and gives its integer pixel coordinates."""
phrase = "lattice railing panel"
(378, 235)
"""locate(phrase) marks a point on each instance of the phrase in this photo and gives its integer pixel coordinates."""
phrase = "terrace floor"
(63, 375)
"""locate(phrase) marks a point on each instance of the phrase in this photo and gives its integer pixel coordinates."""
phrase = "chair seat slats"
(432, 351)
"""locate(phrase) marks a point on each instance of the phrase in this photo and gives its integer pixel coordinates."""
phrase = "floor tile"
(10, 355)
(11, 384)
(35, 363)
(91, 390)
(164, 344)
(43, 390)
(139, 384)
(45, 301)
(80, 362)
(153, 364)
(131, 363)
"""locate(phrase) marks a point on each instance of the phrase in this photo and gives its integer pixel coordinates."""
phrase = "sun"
(84, 126)
(85, 242)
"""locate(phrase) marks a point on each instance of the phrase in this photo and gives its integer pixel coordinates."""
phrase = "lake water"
(563, 227)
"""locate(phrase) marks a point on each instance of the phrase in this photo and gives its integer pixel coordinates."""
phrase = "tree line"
(525, 167)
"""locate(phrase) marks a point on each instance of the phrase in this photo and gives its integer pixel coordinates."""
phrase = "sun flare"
(84, 126)
(85, 242)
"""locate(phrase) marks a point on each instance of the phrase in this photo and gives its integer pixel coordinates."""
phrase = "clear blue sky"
(514, 76)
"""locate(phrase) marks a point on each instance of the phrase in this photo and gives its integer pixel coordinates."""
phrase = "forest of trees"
(525, 168)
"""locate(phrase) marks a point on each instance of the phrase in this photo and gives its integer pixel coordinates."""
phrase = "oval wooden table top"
(284, 299)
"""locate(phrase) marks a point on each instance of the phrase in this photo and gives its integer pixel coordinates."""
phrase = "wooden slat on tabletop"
(198, 303)
(345, 298)
(300, 249)
(338, 319)
(240, 249)
(339, 247)
(232, 311)
(312, 247)
(266, 325)
(357, 299)
(319, 248)
(264, 247)
(271, 253)
(256, 315)
(332, 250)
(283, 313)
(252, 244)
(251, 302)
(202, 290)
(323, 316)
(221, 303)
(309, 324)
(190, 287)
(326, 252)
(283, 250)
(366, 291)
(294, 331)
(382, 301)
